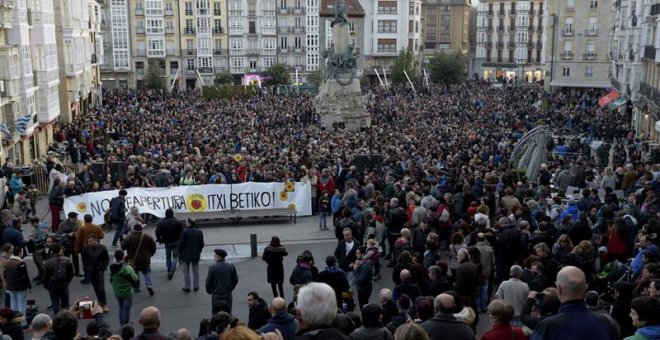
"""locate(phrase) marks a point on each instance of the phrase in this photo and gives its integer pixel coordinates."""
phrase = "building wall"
(646, 109)
(389, 27)
(446, 26)
(509, 40)
(581, 38)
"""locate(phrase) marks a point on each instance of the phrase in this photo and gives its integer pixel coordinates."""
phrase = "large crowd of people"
(466, 238)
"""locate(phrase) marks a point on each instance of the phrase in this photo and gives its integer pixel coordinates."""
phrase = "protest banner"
(294, 197)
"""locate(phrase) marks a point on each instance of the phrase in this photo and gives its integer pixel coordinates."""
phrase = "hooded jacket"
(122, 277)
(259, 314)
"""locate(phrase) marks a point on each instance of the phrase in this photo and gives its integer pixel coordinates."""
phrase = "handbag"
(131, 262)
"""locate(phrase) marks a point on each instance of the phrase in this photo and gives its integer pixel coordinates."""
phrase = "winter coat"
(49, 267)
(141, 260)
(446, 326)
(300, 275)
(95, 259)
(122, 278)
(15, 237)
(335, 279)
(169, 230)
(371, 333)
(191, 245)
(84, 232)
(16, 274)
(221, 279)
(646, 333)
(364, 277)
(13, 327)
(274, 257)
(259, 315)
(284, 322)
(575, 321)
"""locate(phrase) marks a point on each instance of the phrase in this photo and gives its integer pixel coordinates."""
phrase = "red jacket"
(329, 187)
(504, 332)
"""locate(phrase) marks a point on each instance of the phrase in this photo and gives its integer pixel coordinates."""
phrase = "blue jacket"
(638, 262)
(285, 322)
(570, 210)
(14, 236)
(335, 203)
(575, 322)
(15, 184)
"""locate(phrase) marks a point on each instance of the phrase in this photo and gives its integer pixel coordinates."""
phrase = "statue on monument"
(339, 10)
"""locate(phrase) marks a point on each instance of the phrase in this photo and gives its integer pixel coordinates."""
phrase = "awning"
(608, 98)
(617, 103)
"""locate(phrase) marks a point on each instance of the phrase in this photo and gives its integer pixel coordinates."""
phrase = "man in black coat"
(259, 313)
(334, 277)
(169, 232)
(191, 244)
(221, 281)
(95, 261)
(444, 325)
(345, 254)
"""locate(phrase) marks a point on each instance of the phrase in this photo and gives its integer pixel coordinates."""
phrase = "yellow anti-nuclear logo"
(196, 202)
(81, 207)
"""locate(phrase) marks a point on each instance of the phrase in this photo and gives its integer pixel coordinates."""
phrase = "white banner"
(296, 197)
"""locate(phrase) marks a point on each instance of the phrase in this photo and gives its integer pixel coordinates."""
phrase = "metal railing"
(590, 56)
(189, 30)
(567, 55)
(567, 33)
(189, 51)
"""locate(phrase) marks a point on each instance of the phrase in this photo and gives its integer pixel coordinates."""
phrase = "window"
(488, 55)
(593, 4)
(188, 8)
(252, 27)
(189, 26)
(190, 64)
(217, 26)
(155, 46)
(283, 4)
(168, 6)
(499, 56)
(190, 44)
(570, 4)
(217, 8)
(592, 29)
(387, 26)
(297, 43)
(268, 43)
(154, 26)
(154, 7)
(217, 45)
(566, 72)
(169, 25)
(510, 56)
(138, 6)
(386, 45)
(174, 65)
(568, 47)
(204, 61)
(568, 25)
(236, 62)
(298, 22)
(139, 26)
(312, 40)
(588, 71)
(268, 62)
(283, 42)
(139, 67)
(387, 7)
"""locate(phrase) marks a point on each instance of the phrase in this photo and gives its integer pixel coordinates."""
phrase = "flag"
(5, 130)
(23, 123)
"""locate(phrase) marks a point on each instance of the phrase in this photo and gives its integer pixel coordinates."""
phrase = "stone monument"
(340, 98)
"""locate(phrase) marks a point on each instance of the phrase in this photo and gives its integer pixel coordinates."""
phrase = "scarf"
(331, 269)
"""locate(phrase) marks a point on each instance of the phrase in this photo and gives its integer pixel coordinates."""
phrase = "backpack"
(59, 270)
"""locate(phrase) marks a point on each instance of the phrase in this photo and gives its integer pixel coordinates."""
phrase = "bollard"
(253, 244)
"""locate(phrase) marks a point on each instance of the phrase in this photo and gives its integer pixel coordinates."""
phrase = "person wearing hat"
(66, 234)
(140, 247)
(10, 323)
(221, 281)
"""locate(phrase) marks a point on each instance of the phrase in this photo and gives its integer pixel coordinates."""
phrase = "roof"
(353, 8)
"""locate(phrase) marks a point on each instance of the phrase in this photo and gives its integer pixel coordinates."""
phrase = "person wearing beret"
(221, 281)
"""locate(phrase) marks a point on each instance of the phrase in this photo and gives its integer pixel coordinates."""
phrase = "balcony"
(489, 28)
(539, 28)
(169, 12)
(218, 30)
(590, 56)
(139, 12)
(567, 55)
(501, 13)
(298, 10)
(283, 29)
(489, 44)
(539, 45)
(512, 44)
(298, 29)
(217, 13)
(139, 29)
(500, 28)
(190, 70)
(218, 69)
(512, 12)
(490, 13)
(5, 19)
(189, 31)
(530, 28)
(252, 52)
(512, 28)
(284, 10)
(530, 44)
(218, 51)
(649, 92)
(567, 33)
(299, 50)
(500, 45)
(203, 11)
(592, 32)
(649, 52)
(570, 9)
(169, 30)
(205, 70)
(189, 51)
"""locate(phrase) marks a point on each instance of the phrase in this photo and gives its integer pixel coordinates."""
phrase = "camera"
(84, 308)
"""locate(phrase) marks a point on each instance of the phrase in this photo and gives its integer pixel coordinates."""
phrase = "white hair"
(41, 323)
(317, 304)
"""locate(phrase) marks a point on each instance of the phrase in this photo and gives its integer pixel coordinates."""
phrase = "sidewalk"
(235, 239)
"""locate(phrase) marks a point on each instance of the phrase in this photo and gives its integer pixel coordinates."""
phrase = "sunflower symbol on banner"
(196, 202)
(81, 207)
(284, 195)
(289, 186)
(238, 158)
(292, 207)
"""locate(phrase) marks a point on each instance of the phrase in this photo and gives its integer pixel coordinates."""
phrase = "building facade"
(646, 109)
(390, 27)
(446, 26)
(298, 36)
(576, 40)
(509, 41)
(355, 14)
(77, 25)
(115, 64)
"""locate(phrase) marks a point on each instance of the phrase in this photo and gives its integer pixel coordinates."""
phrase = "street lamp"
(552, 48)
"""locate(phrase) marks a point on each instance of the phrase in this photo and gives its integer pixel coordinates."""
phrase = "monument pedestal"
(337, 103)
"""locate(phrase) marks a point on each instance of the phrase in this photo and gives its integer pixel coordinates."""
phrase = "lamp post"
(552, 48)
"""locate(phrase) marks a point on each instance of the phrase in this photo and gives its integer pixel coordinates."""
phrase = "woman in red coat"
(326, 182)
(617, 246)
(500, 313)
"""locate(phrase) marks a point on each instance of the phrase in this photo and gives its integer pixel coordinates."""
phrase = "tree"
(316, 78)
(223, 79)
(407, 62)
(155, 78)
(447, 68)
(277, 74)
